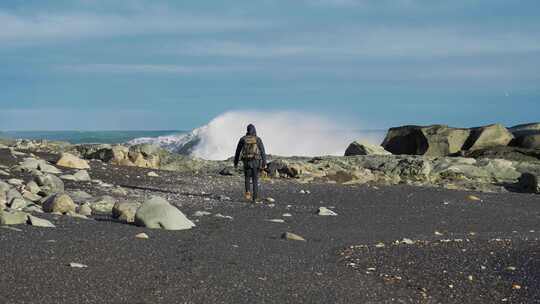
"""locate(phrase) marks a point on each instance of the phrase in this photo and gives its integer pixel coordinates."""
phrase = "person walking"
(250, 150)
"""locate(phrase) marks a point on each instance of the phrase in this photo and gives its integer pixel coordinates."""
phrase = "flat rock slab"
(39, 222)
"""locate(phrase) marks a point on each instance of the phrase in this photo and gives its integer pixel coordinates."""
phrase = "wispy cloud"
(372, 42)
(50, 27)
(151, 68)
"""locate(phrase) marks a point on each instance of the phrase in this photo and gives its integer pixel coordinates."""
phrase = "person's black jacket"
(251, 131)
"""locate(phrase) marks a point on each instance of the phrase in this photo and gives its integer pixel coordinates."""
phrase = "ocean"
(83, 137)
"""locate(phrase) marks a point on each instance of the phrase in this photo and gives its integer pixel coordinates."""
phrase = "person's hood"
(251, 130)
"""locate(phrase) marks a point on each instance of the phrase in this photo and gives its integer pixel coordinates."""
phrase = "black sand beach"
(388, 244)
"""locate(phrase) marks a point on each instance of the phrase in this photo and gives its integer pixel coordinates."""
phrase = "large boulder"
(125, 211)
(525, 129)
(531, 141)
(12, 217)
(435, 140)
(49, 184)
(282, 168)
(529, 183)
(360, 148)
(102, 204)
(61, 203)
(71, 161)
(508, 153)
(488, 137)
(157, 213)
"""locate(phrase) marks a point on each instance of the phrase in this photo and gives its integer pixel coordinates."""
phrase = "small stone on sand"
(142, 236)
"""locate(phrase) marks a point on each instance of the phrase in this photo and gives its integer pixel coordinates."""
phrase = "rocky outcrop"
(487, 137)
(450, 172)
(441, 140)
(435, 140)
(143, 155)
(157, 213)
(360, 148)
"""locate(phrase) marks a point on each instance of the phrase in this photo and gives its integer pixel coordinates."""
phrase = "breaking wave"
(283, 133)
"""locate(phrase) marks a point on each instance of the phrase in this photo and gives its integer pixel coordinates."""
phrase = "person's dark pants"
(251, 172)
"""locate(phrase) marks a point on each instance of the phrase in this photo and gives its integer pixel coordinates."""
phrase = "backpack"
(251, 149)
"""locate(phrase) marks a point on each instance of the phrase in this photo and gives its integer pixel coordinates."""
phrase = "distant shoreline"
(81, 137)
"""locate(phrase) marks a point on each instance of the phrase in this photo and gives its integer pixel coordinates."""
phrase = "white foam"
(283, 133)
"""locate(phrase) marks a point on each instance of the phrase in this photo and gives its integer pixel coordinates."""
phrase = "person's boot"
(248, 196)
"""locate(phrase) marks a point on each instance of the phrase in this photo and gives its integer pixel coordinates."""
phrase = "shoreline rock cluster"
(44, 192)
(489, 158)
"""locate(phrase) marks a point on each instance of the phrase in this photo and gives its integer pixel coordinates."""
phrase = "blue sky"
(101, 64)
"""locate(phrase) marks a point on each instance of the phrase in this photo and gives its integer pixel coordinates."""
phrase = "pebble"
(270, 200)
(407, 241)
(142, 236)
(276, 221)
(77, 265)
(201, 213)
(292, 237)
(323, 211)
(152, 174)
(223, 216)
(286, 215)
(473, 198)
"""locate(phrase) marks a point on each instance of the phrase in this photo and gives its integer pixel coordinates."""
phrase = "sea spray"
(284, 133)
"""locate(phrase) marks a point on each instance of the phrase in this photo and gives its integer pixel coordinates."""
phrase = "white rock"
(276, 220)
(407, 241)
(77, 265)
(201, 213)
(286, 215)
(152, 174)
(142, 236)
(223, 216)
(323, 211)
(157, 213)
